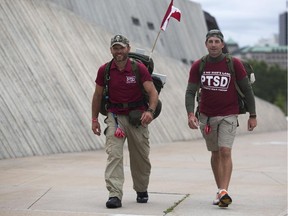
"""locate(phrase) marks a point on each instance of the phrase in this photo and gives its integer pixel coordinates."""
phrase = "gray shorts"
(223, 131)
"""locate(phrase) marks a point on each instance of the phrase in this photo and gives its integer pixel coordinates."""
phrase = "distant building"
(271, 41)
(271, 55)
(266, 50)
(231, 45)
(283, 29)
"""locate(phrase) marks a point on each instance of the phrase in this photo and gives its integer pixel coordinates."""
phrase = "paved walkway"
(181, 182)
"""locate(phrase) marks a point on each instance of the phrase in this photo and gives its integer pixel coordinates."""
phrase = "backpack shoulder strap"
(106, 80)
(107, 72)
(202, 64)
(135, 70)
(201, 70)
(229, 60)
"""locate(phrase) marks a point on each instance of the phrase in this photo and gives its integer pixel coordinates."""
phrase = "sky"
(246, 21)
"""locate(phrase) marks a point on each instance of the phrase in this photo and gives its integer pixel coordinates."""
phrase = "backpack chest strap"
(127, 105)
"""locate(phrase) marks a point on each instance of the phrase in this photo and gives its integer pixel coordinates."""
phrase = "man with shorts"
(218, 109)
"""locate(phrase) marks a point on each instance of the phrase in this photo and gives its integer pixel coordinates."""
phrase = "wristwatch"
(151, 110)
(252, 116)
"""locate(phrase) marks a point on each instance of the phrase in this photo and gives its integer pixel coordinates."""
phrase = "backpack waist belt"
(127, 105)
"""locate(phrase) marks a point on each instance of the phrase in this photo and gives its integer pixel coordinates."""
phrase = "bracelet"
(191, 114)
(94, 119)
(252, 116)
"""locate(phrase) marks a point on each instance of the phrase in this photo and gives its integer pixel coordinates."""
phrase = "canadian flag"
(171, 12)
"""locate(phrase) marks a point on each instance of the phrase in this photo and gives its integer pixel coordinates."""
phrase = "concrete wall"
(49, 59)
(181, 40)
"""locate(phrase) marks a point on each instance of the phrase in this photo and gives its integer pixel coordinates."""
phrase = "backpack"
(148, 62)
(241, 97)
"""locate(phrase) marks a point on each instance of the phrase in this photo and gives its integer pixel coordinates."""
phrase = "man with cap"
(125, 95)
(218, 108)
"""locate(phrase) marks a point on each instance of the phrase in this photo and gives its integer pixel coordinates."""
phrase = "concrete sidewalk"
(181, 182)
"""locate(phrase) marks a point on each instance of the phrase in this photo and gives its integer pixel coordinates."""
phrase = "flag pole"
(171, 12)
(154, 44)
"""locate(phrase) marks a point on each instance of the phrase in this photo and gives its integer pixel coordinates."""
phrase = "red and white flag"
(171, 12)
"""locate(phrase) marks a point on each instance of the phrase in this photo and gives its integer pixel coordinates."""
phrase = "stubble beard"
(120, 58)
(215, 53)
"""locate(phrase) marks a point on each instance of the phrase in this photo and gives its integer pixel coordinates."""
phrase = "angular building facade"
(51, 51)
(140, 21)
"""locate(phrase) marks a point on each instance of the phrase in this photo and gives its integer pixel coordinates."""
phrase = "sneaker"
(224, 198)
(216, 200)
(113, 202)
(142, 197)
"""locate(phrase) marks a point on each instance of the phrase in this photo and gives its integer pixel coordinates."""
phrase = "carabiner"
(207, 128)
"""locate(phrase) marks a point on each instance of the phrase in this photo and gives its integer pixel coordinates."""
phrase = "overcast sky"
(245, 21)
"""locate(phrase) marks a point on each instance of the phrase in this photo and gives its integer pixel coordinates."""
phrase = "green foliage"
(170, 209)
(271, 84)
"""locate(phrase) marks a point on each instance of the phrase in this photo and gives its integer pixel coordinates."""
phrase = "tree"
(271, 84)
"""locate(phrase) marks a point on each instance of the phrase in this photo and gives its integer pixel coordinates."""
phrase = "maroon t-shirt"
(218, 94)
(123, 86)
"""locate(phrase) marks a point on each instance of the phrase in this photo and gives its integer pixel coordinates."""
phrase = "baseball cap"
(215, 33)
(119, 39)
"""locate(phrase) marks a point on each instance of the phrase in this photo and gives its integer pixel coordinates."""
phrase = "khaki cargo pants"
(138, 146)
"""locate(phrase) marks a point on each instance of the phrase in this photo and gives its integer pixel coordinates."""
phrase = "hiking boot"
(142, 197)
(224, 198)
(113, 202)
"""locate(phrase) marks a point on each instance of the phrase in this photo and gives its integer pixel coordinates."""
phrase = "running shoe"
(216, 200)
(224, 198)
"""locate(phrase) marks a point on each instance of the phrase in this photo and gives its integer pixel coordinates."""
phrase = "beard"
(120, 57)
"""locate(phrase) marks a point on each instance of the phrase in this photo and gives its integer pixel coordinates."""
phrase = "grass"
(170, 209)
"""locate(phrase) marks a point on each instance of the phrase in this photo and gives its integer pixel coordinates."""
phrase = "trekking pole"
(154, 44)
